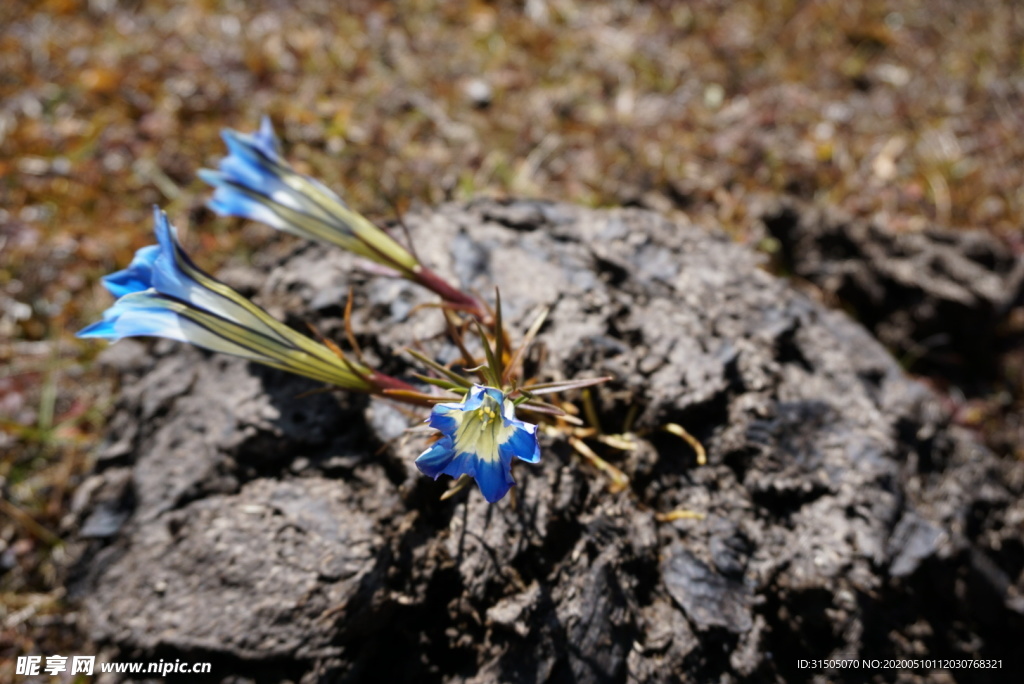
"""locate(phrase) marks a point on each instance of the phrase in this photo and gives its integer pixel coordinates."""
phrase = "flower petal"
(133, 316)
(480, 438)
(163, 294)
(474, 398)
(255, 182)
(152, 314)
(229, 200)
(137, 277)
(174, 274)
(266, 140)
(521, 443)
(434, 460)
(494, 478)
(440, 420)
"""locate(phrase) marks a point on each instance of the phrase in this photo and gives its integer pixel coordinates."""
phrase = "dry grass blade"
(460, 484)
(455, 334)
(679, 514)
(679, 431)
(349, 334)
(29, 523)
(531, 333)
(617, 479)
(551, 410)
(564, 385)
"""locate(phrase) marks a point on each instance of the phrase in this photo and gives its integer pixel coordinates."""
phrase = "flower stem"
(383, 382)
(433, 282)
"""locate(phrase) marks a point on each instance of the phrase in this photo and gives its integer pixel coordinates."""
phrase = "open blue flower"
(479, 437)
(163, 294)
(255, 182)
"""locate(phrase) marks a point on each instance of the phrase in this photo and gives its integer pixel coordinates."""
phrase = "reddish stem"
(452, 295)
(387, 382)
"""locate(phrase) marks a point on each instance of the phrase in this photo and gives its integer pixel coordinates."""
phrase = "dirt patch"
(292, 538)
(939, 299)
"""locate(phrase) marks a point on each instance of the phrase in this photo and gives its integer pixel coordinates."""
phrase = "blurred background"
(905, 112)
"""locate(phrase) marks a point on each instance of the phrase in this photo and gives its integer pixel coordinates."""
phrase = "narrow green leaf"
(436, 382)
(447, 372)
(492, 377)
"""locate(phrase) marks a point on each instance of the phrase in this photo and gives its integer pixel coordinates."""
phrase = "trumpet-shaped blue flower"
(479, 437)
(255, 182)
(163, 294)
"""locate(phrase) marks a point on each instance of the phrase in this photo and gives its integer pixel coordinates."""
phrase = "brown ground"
(904, 112)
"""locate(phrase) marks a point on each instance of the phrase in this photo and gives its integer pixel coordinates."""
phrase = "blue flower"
(163, 294)
(137, 277)
(479, 437)
(255, 182)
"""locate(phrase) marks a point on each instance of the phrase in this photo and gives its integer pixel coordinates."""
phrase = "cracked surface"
(274, 535)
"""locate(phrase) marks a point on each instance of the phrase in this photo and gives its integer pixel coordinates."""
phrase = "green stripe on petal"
(149, 313)
(256, 183)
